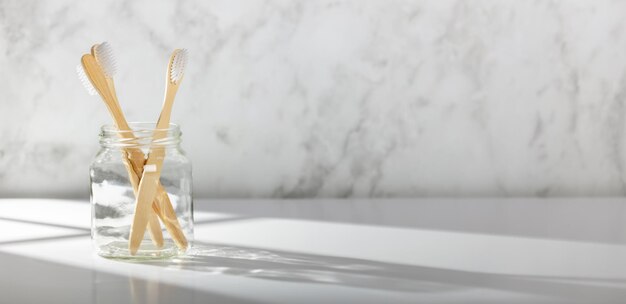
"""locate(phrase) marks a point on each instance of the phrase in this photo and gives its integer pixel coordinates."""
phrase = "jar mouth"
(141, 134)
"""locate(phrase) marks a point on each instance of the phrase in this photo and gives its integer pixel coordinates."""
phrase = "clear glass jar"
(113, 191)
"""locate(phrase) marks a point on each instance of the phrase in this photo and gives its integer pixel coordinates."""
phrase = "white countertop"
(332, 251)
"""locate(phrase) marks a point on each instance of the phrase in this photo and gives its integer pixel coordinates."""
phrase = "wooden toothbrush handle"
(146, 194)
(133, 160)
(133, 157)
(169, 218)
(161, 205)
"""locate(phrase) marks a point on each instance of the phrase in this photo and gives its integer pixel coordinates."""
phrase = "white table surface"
(331, 251)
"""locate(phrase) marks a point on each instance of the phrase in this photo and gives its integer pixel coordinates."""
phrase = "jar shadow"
(258, 263)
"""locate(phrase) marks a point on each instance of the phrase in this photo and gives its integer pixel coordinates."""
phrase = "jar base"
(147, 251)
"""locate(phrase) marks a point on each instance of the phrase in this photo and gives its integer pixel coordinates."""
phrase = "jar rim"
(141, 134)
(140, 126)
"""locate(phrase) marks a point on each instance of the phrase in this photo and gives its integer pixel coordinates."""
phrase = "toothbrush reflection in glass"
(148, 185)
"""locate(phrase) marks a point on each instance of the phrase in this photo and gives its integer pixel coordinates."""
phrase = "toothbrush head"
(85, 81)
(178, 60)
(105, 58)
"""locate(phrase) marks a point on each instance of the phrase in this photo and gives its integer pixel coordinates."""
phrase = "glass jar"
(115, 174)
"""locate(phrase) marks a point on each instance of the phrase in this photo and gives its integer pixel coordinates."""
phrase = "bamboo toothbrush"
(152, 169)
(97, 83)
(105, 58)
(163, 207)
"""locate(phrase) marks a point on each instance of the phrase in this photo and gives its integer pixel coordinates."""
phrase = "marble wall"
(363, 98)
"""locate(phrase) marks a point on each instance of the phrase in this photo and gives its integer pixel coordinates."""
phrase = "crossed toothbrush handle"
(132, 159)
(161, 203)
(145, 194)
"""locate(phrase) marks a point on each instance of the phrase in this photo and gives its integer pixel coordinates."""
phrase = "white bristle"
(85, 81)
(106, 59)
(178, 66)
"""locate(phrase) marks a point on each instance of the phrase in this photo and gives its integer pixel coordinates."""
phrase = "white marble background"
(358, 98)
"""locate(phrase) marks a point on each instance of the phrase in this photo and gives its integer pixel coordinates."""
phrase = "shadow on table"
(320, 269)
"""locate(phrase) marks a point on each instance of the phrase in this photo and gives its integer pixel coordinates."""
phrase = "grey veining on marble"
(330, 98)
